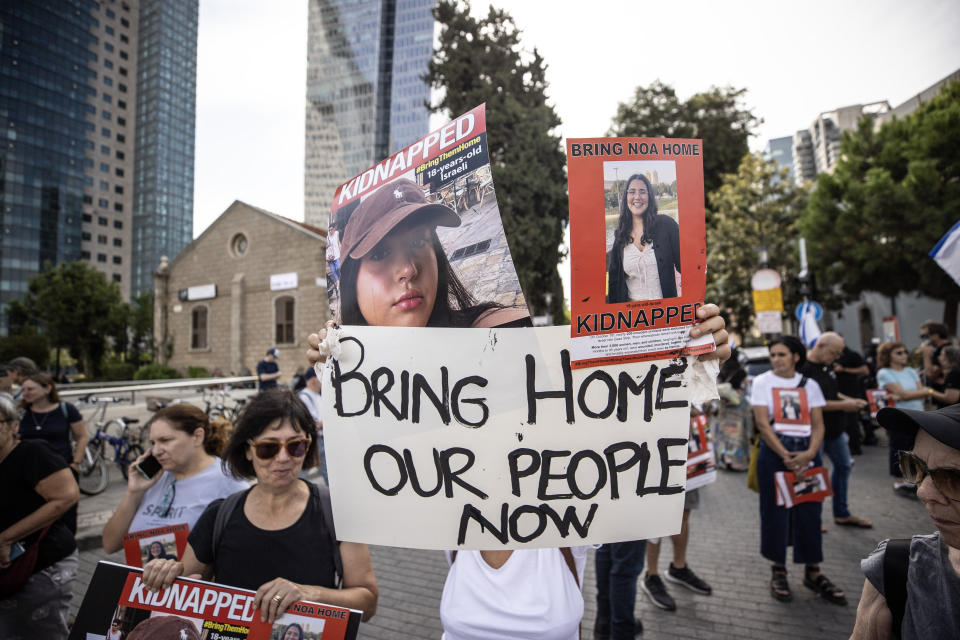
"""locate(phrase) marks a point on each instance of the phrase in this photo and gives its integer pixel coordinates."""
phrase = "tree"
(717, 116)
(894, 192)
(141, 327)
(755, 208)
(25, 342)
(76, 308)
(481, 60)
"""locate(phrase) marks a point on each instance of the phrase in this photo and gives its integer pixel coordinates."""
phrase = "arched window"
(198, 328)
(283, 313)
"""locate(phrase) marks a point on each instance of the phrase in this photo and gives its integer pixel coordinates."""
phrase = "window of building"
(238, 244)
(84, 255)
(101, 257)
(122, 87)
(117, 260)
(117, 242)
(123, 55)
(108, 46)
(121, 137)
(124, 22)
(117, 189)
(106, 114)
(120, 155)
(104, 149)
(198, 328)
(87, 199)
(118, 206)
(108, 64)
(118, 224)
(107, 80)
(105, 132)
(119, 172)
(102, 221)
(102, 202)
(108, 28)
(124, 39)
(87, 217)
(104, 185)
(122, 104)
(123, 71)
(101, 239)
(283, 311)
(85, 235)
(111, 14)
(116, 277)
(104, 167)
(122, 122)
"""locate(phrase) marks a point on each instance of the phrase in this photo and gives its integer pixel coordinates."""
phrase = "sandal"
(779, 587)
(827, 590)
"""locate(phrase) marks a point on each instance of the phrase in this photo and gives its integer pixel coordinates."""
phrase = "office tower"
(781, 150)
(365, 93)
(82, 139)
(165, 125)
(817, 148)
(45, 157)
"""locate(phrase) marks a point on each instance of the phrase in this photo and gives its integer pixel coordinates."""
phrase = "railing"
(134, 388)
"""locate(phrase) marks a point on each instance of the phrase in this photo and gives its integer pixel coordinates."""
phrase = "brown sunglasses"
(947, 481)
(268, 449)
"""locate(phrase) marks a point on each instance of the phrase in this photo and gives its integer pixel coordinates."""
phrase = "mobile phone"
(16, 550)
(148, 467)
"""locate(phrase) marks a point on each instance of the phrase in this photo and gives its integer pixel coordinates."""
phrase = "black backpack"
(319, 496)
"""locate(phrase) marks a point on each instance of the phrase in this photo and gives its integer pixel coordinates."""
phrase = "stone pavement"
(724, 550)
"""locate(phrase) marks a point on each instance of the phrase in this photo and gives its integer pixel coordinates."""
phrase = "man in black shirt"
(819, 367)
(850, 369)
(268, 370)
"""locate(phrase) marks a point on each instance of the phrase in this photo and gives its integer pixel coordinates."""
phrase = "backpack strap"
(320, 495)
(227, 507)
(803, 381)
(896, 564)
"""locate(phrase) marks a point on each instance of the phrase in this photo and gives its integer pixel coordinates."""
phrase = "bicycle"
(94, 472)
(214, 400)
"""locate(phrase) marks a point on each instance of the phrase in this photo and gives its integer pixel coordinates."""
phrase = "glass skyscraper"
(97, 103)
(365, 94)
(166, 118)
(44, 157)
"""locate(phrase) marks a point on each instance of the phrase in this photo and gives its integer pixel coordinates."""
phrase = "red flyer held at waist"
(117, 604)
(637, 248)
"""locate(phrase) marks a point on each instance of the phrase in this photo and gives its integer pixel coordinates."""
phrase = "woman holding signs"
(786, 445)
(274, 538)
(395, 274)
(644, 263)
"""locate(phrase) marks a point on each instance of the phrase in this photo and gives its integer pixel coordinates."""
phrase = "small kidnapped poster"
(638, 254)
(118, 606)
(417, 240)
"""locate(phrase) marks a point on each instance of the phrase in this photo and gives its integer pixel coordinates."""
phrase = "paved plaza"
(723, 550)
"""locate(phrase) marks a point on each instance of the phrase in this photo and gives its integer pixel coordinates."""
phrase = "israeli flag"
(809, 329)
(947, 252)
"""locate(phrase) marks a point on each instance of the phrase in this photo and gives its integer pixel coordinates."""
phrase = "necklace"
(39, 425)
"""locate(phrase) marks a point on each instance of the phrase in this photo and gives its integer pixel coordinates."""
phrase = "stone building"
(253, 280)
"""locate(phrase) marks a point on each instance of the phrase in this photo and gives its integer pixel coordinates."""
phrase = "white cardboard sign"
(487, 439)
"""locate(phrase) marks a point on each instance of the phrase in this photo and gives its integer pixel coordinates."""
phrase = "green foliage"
(76, 308)
(717, 116)
(141, 329)
(117, 370)
(155, 371)
(481, 60)
(756, 207)
(197, 372)
(26, 342)
(894, 192)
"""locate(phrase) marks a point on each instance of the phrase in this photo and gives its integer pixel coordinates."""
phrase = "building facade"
(166, 122)
(82, 142)
(781, 151)
(366, 97)
(817, 148)
(253, 280)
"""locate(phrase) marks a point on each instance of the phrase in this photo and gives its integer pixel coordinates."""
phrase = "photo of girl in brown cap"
(395, 271)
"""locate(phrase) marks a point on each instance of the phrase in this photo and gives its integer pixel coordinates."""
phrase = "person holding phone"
(177, 478)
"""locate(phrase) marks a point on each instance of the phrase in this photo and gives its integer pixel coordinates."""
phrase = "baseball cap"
(164, 628)
(942, 424)
(390, 205)
(309, 373)
(272, 351)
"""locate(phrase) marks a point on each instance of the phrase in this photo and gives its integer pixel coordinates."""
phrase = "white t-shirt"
(313, 401)
(192, 496)
(533, 596)
(761, 395)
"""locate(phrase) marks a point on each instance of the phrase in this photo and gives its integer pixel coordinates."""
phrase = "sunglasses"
(899, 351)
(268, 449)
(947, 481)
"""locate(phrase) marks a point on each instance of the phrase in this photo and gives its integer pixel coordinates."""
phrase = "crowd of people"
(255, 522)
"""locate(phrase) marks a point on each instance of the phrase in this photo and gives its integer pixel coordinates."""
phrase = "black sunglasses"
(947, 481)
(267, 449)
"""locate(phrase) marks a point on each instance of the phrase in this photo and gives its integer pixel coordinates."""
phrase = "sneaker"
(601, 628)
(659, 596)
(688, 579)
